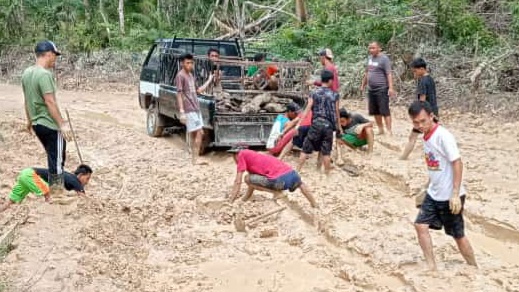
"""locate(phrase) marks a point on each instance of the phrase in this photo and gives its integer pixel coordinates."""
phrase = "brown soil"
(156, 223)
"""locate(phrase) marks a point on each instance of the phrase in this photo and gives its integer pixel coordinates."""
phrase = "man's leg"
(370, 137)
(20, 189)
(383, 107)
(285, 150)
(455, 227)
(380, 125)
(387, 119)
(308, 194)
(466, 250)
(326, 149)
(260, 183)
(424, 238)
(410, 144)
(427, 217)
(54, 146)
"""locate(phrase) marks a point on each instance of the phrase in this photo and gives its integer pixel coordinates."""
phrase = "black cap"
(293, 107)
(46, 46)
(237, 148)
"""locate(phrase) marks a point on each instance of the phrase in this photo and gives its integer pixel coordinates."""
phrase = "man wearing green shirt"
(43, 114)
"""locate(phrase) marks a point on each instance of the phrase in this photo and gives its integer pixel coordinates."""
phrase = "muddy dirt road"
(156, 223)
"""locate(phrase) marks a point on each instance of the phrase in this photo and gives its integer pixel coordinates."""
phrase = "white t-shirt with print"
(440, 151)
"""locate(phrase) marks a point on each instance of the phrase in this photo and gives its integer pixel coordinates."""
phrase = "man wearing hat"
(326, 58)
(265, 173)
(42, 111)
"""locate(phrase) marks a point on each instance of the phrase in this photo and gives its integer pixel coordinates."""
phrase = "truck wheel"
(154, 121)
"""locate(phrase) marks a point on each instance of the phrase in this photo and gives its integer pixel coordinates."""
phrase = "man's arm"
(29, 122)
(457, 167)
(364, 80)
(338, 116)
(237, 185)
(52, 106)
(290, 125)
(389, 76)
(308, 108)
(205, 85)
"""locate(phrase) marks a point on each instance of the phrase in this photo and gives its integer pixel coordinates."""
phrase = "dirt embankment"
(156, 223)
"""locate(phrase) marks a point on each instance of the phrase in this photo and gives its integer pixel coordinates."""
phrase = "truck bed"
(233, 128)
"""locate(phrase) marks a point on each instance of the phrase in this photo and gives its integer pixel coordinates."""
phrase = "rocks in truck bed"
(250, 104)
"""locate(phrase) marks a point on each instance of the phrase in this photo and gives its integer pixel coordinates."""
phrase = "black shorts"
(319, 138)
(299, 139)
(378, 102)
(438, 214)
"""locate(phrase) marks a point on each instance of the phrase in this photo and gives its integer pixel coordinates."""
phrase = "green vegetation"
(345, 26)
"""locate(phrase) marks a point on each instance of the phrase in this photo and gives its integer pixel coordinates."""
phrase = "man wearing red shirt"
(326, 58)
(266, 173)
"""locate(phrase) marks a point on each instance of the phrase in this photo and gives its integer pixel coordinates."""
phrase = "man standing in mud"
(379, 80)
(445, 198)
(324, 105)
(43, 114)
(189, 107)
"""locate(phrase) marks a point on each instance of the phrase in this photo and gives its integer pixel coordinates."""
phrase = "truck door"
(149, 80)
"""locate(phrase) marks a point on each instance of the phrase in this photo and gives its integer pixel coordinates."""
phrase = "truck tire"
(154, 121)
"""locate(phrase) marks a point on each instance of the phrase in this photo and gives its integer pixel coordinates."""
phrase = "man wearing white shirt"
(443, 204)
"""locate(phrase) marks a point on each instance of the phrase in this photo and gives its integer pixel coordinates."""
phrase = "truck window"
(154, 59)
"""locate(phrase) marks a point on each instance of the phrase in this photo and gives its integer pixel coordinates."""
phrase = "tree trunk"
(86, 5)
(121, 16)
(301, 11)
(103, 16)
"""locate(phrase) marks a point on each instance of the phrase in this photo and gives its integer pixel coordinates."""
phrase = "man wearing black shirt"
(35, 180)
(358, 131)
(425, 91)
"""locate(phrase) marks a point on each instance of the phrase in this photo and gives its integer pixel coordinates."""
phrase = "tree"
(121, 16)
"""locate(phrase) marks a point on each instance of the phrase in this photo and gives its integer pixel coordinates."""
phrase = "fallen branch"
(280, 10)
(250, 26)
(260, 217)
(222, 25)
(475, 75)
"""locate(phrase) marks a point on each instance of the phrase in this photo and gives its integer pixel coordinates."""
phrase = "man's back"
(426, 86)
(324, 104)
(70, 180)
(36, 82)
(261, 164)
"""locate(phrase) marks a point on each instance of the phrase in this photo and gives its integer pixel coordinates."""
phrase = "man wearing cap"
(279, 127)
(42, 111)
(379, 79)
(326, 58)
(265, 173)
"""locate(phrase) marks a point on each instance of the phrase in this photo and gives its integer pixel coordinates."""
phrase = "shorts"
(378, 102)
(354, 140)
(438, 214)
(299, 139)
(28, 182)
(194, 121)
(319, 138)
(289, 181)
